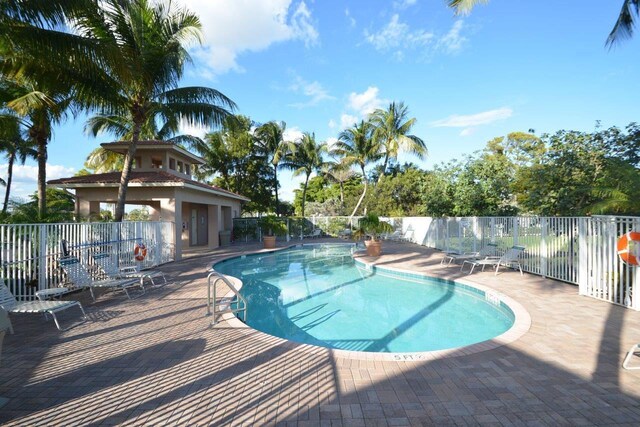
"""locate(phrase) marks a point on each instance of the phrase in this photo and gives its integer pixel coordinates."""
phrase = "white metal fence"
(577, 250)
(29, 252)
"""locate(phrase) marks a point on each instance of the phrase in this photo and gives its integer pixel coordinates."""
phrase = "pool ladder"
(225, 306)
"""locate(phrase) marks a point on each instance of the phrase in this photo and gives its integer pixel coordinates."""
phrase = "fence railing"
(29, 253)
(577, 250)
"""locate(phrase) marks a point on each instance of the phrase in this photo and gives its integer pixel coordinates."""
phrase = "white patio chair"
(11, 305)
(316, 233)
(509, 259)
(490, 249)
(635, 349)
(108, 263)
(80, 277)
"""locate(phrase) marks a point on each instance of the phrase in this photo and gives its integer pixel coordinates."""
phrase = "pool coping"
(521, 323)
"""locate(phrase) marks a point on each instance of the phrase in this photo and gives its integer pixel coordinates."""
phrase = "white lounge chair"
(635, 349)
(509, 259)
(316, 233)
(108, 263)
(11, 305)
(80, 277)
(490, 249)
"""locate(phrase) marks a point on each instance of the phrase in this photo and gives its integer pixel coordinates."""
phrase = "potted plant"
(371, 226)
(270, 225)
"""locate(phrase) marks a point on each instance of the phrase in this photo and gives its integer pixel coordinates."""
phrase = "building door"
(193, 236)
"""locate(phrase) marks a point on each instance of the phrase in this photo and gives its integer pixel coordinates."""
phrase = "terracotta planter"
(374, 247)
(269, 242)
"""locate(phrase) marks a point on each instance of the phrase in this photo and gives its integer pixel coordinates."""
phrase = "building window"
(187, 168)
(172, 163)
(156, 163)
(137, 163)
(180, 167)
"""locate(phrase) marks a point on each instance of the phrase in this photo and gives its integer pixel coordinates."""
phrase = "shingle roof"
(138, 177)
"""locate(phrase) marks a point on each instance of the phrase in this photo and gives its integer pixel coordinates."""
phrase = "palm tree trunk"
(126, 173)
(304, 192)
(42, 177)
(12, 158)
(342, 194)
(275, 186)
(364, 180)
(384, 167)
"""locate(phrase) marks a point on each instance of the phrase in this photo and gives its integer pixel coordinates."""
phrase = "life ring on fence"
(140, 252)
(624, 251)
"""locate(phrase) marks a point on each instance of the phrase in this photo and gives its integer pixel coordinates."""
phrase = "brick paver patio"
(154, 360)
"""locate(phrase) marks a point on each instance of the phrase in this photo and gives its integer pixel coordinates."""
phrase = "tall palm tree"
(622, 29)
(305, 158)
(40, 105)
(391, 132)
(101, 160)
(17, 149)
(270, 137)
(357, 147)
(339, 173)
(140, 86)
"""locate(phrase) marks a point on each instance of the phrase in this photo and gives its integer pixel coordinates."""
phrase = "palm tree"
(391, 131)
(270, 137)
(622, 29)
(140, 86)
(305, 158)
(339, 173)
(17, 149)
(357, 147)
(40, 105)
(101, 160)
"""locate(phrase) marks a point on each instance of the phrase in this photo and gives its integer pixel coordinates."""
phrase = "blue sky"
(319, 65)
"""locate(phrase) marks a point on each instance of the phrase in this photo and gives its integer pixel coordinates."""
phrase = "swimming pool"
(319, 295)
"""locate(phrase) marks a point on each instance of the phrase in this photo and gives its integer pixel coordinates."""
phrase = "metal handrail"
(212, 279)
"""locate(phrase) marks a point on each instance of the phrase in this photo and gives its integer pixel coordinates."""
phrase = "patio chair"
(635, 349)
(509, 259)
(108, 263)
(316, 233)
(80, 277)
(490, 249)
(345, 234)
(11, 305)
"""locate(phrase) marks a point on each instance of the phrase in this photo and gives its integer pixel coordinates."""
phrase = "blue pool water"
(318, 295)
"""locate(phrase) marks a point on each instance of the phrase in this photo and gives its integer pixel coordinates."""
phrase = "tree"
(339, 173)
(102, 161)
(139, 87)
(391, 129)
(17, 149)
(304, 159)
(40, 105)
(357, 147)
(270, 137)
(622, 29)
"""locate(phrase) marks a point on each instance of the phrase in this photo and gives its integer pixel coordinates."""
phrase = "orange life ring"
(624, 251)
(140, 252)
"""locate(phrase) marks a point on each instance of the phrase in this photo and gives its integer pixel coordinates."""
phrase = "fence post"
(288, 231)
(583, 255)
(42, 258)
(515, 230)
(492, 226)
(544, 224)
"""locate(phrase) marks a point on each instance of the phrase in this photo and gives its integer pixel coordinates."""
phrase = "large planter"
(269, 242)
(374, 247)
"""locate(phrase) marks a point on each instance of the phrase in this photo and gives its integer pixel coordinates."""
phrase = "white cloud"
(403, 4)
(397, 37)
(483, 118)
(331, 142)
(292, 134)
(351, 19)
(312, 90)
(453, 41)
(232, 27)
(467, 132)
(332, 124)
(187, 129)
(347, 120)
(366, 102)
(25, 178)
